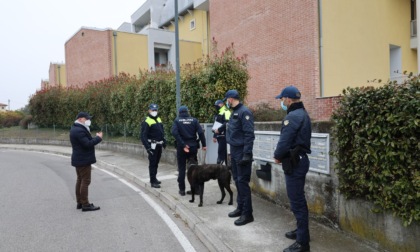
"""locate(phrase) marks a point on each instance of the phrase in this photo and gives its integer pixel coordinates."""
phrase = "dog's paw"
(219, 202)
(191, 201)
(200, 205)
(230, 203)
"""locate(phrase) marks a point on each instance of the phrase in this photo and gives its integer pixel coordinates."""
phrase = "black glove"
(164, 145)
(246, 159)
(150, 151)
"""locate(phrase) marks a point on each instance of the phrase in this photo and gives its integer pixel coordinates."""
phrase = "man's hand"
(187, 148)
(99, 134)
(214, 140)
(216, 131)
(164, 145)
(150, 151)
(246, 159)
(204, 148)
(277, 161)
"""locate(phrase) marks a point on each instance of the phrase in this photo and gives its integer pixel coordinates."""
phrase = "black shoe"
(235, 213)
(155, 185)
(79, 206)
(158, 182)
(243, 220)
(297, 247)
(182, 193)
(291, 234)
(189, 192)
(90, 207)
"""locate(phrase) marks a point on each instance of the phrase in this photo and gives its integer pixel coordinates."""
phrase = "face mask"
(227, 104)
(88, 123)
(284, 107)
(153, 113)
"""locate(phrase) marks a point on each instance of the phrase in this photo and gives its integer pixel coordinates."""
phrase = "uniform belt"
(154, 141)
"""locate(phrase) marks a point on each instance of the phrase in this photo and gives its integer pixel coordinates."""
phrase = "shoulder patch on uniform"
(247, 117)
(286, 122)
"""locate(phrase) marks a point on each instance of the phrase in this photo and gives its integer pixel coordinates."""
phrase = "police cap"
(289, 92)
(153, 107)
(231, 94)
(218, 102)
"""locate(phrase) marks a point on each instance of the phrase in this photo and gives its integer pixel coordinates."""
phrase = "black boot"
(297, 247)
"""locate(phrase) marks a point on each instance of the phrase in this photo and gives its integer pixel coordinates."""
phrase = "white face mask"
(88, 123)
(153, 113)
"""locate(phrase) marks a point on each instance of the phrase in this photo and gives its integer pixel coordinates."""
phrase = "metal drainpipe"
(321, 66)
(115, 53)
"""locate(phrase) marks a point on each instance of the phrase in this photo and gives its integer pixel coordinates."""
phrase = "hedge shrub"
(378, 150)
(119, 104)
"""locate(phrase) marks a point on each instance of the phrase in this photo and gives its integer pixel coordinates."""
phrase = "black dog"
(198, 174)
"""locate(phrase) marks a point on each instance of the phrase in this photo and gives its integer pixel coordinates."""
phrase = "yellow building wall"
(132, 53)
(357, 35)
(199, 34)
(61, 75)
(189, 52)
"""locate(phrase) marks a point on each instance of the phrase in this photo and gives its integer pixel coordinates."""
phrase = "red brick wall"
(281, 40)
(88, 56)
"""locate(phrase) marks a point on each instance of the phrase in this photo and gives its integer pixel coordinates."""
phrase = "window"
(192, 24)
(395, 63)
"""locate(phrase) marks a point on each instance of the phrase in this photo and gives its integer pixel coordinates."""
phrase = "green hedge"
(378, 150)
(10, 118)
(122, 102)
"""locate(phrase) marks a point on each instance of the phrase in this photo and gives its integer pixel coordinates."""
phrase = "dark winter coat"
(83, 145)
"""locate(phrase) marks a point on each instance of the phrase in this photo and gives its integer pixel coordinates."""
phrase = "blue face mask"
(284, 107)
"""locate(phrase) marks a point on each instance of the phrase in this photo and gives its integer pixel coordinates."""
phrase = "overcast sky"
(33, 34)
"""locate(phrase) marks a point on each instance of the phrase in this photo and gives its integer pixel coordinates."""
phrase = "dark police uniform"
(185, 129)
(222, 117)
(153, 138)
(240, 136)
(296, 132)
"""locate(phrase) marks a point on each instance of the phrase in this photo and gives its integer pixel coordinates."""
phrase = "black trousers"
(154, 162)
(182, 158)
(222, 150)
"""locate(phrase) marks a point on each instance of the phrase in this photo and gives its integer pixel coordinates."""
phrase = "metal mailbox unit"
(266, 141)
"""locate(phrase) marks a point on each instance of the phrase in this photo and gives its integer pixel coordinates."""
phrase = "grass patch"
(56, 134)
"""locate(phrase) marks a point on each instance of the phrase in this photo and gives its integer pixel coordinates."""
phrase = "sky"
(33, 34)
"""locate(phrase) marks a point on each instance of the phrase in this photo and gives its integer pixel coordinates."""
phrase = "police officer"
(291, 151)
(153, 138)
(185, 129)
(240, 136)
(221, 118)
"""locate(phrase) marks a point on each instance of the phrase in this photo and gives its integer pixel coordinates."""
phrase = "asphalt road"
(38, 211)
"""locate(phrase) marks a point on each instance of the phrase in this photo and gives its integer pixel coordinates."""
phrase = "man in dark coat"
(240, 136)
(82, 157)
(185, 129)
(291, 151)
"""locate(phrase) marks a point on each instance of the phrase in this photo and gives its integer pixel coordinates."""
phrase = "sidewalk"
(210, 223)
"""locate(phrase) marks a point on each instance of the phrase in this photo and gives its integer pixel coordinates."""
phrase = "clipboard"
(216, 126)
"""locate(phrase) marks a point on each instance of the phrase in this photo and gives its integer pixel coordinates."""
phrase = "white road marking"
(171, 224)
